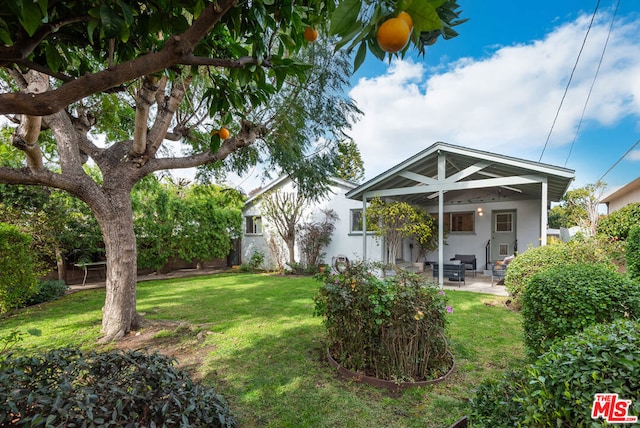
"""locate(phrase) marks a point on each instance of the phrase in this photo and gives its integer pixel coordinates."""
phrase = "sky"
(519, 80)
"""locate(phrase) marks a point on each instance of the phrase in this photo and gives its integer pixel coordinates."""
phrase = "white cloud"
(505, 103)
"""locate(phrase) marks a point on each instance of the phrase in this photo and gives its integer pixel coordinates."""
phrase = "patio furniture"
(499, 269)
(454, 271)
(469, 261)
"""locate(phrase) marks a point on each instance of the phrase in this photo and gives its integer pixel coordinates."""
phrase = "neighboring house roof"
(280, 181)
(468, 176)
(622, 196)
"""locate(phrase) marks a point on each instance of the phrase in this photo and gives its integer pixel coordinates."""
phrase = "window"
(504, 222)
(356, 220)
(253, 225)
(458, 222)
(462, 222)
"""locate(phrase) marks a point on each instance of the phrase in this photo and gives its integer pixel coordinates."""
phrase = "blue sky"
(498, 87)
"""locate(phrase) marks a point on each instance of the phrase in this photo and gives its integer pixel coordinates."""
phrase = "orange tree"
(144, 74)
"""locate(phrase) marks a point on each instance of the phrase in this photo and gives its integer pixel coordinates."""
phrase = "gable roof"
(621, 191)
(470, 176)
(283, 179)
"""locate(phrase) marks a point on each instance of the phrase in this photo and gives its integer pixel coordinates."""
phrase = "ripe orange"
(393, 35)
(223, 133)
(406, 18)
(310, 34)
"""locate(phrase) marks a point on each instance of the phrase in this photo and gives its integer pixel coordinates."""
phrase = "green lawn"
(263, 349)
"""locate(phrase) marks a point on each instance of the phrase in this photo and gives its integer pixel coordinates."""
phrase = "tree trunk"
(60, 262)
(119, 314)
(291, 247)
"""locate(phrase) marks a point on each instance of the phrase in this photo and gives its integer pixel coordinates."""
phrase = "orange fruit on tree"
(310, 34)
(393, 35)
(406, 18)
(223, 133)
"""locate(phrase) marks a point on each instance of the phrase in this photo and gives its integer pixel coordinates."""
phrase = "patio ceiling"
(470, 176)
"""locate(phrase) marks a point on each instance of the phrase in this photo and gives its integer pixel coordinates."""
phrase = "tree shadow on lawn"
(284, 379)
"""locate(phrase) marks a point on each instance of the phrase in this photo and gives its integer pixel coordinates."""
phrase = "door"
(503, 234)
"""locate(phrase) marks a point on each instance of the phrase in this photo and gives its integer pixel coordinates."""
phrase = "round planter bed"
(382, 383)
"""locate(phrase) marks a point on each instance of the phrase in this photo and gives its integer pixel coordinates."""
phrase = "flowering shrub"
(389, 328)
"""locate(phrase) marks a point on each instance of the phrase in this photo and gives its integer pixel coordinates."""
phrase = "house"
(621, 197)
(491, 205)
(347, 237)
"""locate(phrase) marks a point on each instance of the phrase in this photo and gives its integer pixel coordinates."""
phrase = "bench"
(98, 266)
(469, 261)
(453, 271)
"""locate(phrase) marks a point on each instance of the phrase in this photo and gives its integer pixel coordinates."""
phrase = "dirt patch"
(184, 342)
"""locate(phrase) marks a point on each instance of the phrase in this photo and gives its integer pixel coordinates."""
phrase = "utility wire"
(584, 41)
(619, 160)
(584, 109)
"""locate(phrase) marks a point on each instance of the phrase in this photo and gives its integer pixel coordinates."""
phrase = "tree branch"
(225, 62)
(24, 47)
(25, 137)
(174, 51)
(248, 134)
(144, 99)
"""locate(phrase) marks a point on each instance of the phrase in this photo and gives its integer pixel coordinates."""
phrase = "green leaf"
(126, 12)
(343, 18)
(30, 16)
(5, 35)
(53, 58)
(424, 15)
(215, 142)
(112, 24)
(360, 56)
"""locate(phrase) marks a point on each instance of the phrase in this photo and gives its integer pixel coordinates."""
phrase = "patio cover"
(446, 174)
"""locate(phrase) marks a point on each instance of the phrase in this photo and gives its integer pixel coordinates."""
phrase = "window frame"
(449, 221)
(255, 221)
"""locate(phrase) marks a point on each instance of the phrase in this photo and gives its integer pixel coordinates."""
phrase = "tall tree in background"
(579, 207)
(146, 73)
(350, 165)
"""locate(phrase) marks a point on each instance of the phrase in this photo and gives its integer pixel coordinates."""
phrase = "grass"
(263, 349)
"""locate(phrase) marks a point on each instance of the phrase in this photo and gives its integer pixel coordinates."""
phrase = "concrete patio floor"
(479, 284)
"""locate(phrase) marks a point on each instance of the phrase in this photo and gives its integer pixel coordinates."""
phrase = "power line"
(584, 109)
(619, 160)
(584, 41)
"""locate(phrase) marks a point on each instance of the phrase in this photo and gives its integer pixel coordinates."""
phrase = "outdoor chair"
(454, 271)
(469, 261)
(499, 269)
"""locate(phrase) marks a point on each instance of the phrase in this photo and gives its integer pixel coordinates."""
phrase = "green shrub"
(17, 265)
(389, 328)
(566, 299)
(562, 383)
(538, 259)
(497, 402)
(618, 224)
(66, 387)
(633, 253)
(558, 389)
(47, 291)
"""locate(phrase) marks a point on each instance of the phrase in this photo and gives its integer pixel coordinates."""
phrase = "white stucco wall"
(623, 200)
(527, 230)
(343, 242)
